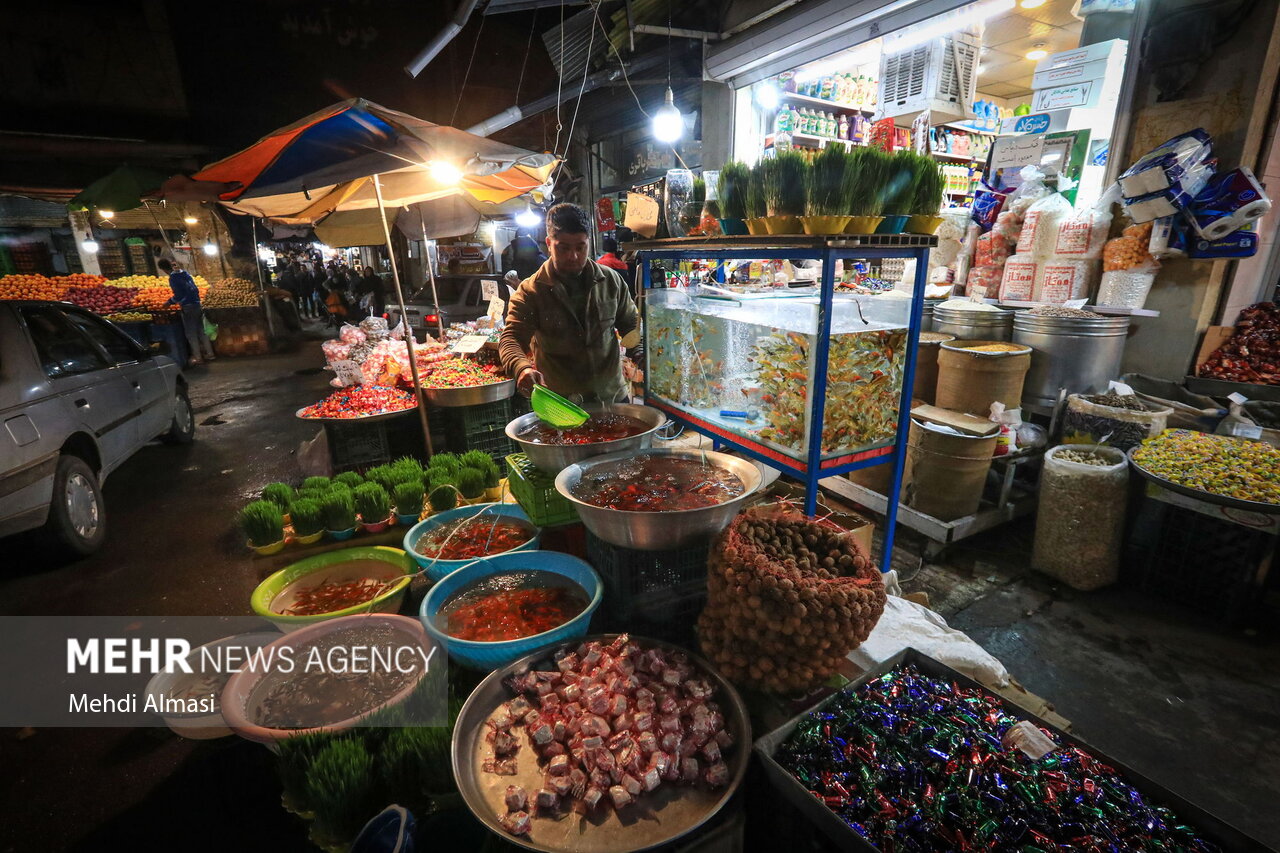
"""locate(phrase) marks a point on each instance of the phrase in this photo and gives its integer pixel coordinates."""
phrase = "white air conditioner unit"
(939, 77)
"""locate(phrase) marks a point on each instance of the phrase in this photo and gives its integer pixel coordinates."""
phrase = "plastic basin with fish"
(664, 530)
(167, 684)
(438, 569)
(489, 656)
(554, 458)
(327, 566)
(240, 689)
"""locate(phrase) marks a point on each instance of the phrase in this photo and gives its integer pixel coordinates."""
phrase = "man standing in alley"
(187, 296)
(564, 323)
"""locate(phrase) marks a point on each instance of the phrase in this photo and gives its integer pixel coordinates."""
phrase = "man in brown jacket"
(564, 322)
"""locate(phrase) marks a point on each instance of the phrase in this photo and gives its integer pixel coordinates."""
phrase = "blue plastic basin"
(491, 656)
(438, 569)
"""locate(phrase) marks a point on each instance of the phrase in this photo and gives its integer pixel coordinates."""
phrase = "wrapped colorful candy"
(360, 401)
(335, 351)
(916, 763)
(352, 335)
(460, 373)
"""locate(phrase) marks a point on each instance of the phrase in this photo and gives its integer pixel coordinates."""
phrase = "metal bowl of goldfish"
(611, 428)
(658, 499)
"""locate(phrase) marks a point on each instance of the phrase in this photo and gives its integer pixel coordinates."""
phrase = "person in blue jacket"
(187, 297)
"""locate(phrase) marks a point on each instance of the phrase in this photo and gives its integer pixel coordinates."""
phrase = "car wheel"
(183, 428)
(77, 517)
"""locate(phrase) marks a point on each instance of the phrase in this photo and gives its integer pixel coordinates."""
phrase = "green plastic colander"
(555, 410)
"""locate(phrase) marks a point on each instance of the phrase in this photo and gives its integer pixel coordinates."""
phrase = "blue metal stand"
(828, 250)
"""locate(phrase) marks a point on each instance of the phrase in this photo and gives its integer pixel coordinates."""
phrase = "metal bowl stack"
(554, 458)
(659, 531)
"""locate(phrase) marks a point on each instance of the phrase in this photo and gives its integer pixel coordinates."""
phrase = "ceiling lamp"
(1037, 52)
(106, 214)
(90, 246)
(527, 218)
(445, 173)
(210, 248)
(190, 220)
(668, 124)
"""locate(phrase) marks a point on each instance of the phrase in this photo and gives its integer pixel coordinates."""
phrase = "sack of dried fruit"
(788, 597)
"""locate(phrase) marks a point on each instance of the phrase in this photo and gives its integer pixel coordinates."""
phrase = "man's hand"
(527, 379)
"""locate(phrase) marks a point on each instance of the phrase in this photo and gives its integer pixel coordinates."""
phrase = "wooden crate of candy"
(856, 767)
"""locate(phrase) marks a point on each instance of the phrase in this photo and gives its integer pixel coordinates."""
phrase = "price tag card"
(348, 372)
(642, 214)
(497, 310)
(1075, 303)
(470, 343)
(488, 289)
(1014, 152)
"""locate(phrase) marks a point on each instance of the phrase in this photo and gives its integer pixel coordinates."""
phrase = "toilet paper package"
(1229, 202)
(1168, 238)
(1238, 244)
(1177, 163)
(1168, 202)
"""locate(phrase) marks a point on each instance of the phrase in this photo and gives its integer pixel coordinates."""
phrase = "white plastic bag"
(1039, 235)
(1060, 280)
(1019, 280)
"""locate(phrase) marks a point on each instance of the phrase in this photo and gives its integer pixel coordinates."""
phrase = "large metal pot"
(659, 531)
(475, 396)
(1080, 354)
(554, 458)
(926, 314)
(974, 325)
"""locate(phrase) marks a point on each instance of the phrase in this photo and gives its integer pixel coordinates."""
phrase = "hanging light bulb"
(190, 220)
(527, 218)
(90, 246)
(767, 95)
(668, 124)
(443, 172)
(106, 214)
(210, 248)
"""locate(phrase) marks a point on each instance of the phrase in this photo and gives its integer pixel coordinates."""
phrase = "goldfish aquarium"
(747, 365)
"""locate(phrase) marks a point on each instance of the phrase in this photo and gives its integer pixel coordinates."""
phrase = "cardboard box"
(1087, 93)
(1068, 74)
(1103, 50)
(1214, 337)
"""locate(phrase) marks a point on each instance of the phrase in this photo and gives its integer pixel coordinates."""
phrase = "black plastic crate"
(1217, 567)
(655, 594)
(479, 428)
(357, 446)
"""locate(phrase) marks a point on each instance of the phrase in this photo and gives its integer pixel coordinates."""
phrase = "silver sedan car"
(77, 398)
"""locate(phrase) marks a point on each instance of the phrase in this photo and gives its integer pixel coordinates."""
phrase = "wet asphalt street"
(171, 548)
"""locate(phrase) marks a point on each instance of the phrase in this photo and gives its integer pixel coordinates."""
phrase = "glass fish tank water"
(747, 365)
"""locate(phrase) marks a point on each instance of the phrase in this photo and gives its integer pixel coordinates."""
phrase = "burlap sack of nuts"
(787, 599)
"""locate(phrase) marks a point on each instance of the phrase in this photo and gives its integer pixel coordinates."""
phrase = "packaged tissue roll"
(1061, 280)
(1168, 202)
(1175, 164)
(1019, 280)
(1229, 202)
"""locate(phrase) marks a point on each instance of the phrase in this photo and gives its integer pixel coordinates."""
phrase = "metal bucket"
(1080, 354)
(974, 325)
(554, 458)
(659, 531)
(926, 314)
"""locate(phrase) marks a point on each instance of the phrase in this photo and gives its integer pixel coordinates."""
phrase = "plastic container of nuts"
(1080, 518)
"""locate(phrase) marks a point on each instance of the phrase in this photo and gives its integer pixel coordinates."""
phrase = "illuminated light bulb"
(90, 246)
(1037, 53)
(210, 248)
(527, 218)
(444, 173)
(190, 220)
(1032, 4)
(767, 96)
(668, 124)
(106, 214)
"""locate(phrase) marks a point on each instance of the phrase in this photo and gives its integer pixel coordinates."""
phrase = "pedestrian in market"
(523, 255)
(564, 323)
(372, 292)
(610, 257)
(187, 296)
